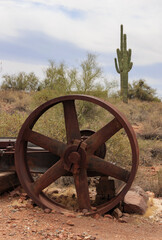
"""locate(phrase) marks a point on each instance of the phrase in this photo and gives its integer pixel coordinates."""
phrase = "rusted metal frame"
(122, 120)
(54, 146)
(79, 170)
(7, 142)
(108, 169)
(71, 121)
(51, 175)
(82, 190)
(102, 135)
(38, 161)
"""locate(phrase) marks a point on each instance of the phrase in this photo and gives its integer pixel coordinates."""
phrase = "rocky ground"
(19, 219)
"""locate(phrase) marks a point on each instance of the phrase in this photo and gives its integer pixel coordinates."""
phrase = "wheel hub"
(75, 157)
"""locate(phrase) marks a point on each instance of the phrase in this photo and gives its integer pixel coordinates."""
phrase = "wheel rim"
(86, 148)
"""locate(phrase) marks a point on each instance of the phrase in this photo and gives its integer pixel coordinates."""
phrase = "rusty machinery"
(82, 155)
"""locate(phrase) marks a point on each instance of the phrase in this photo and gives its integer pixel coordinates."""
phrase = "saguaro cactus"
(124, 65)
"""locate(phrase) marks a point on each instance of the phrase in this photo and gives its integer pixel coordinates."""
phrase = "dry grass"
(16, 106)
(149, 178)
(13, 101)
(10, 124)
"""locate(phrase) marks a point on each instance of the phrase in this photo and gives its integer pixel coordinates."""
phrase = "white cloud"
(97, 29)
(13, 67)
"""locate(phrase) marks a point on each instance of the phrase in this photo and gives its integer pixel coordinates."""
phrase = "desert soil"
(19, 219)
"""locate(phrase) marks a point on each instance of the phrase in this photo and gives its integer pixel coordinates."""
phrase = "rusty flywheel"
(77, 157)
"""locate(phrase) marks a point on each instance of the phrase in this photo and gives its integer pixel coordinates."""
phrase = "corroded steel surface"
(77, 156)
(38, 159)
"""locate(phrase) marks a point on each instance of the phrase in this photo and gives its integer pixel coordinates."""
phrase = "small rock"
(78, 238)
(8, 221)
(24, 194)
(117, 213)
(94, 208)
(84, 211)
(68, 214)
(12, 234)
(108, 216)
(88, 237)
(47, 210)
(123, 220)
(15, 193)
(150, 194)
(126, 214)
(29, 204)
(56, 191)
(14, 225)
(96, 216)
(70, 223)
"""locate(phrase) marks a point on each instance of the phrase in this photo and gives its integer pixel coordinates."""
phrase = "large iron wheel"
(77, 156)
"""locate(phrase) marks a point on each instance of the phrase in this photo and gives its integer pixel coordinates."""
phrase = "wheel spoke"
(81, 185)
(71, 121)
(102, 167)
(51, 175)
(102, 135)
(54, 146)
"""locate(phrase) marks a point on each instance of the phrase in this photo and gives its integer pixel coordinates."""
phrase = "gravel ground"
(19, 219)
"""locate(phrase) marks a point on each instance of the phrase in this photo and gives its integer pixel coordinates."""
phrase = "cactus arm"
(125, 42)
(129, 55)
(130, 66)
(120, 55)
(116, 66)
(121, 37)
(118, 52)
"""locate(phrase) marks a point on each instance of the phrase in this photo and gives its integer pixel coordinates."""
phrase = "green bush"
(21, 81)
(141, 90)
(11, 123)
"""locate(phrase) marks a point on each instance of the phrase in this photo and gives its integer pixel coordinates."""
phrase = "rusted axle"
(38, 159)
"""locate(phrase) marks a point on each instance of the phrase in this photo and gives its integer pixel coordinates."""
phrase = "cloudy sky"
(35, 31)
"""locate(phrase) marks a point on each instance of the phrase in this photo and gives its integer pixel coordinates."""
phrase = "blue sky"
(35, 31)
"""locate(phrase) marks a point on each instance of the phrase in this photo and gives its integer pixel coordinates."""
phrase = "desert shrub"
(12, 101)
(149, 154)
(119, 150)
(160, 182)
(141, 90)
(65, 80)
(21, 81)
(135, 111)
(51, 123)
(152, 126)
(11, 123)
(149, 180)
(141, 111)
(43, 96)
(56, 77)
